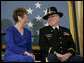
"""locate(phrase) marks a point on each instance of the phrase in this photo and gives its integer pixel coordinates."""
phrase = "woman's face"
(24, 19)
(53, 19)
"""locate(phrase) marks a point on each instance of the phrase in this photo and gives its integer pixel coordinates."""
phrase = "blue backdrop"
(36, 9)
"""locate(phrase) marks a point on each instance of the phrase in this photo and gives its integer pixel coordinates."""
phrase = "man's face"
(53, 19)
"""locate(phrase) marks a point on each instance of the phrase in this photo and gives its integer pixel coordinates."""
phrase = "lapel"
(56, 34)
(51, 30)
(18, 36)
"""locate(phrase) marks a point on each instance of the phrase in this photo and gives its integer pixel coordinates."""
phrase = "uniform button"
(61, 47)
(61, 51)
(60, 30)
(59, 37)
(60, 42)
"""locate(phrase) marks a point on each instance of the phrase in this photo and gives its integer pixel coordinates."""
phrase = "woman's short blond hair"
(20, 11)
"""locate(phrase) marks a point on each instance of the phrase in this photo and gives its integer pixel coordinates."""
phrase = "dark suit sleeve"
(72, 46)
(43, 43)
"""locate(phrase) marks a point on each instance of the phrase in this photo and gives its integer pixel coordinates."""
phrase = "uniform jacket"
(51, 40)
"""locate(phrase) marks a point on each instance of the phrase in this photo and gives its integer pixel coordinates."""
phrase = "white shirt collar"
(56, 27)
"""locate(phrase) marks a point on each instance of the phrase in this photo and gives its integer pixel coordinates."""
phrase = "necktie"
(56, 32)
(56, 29)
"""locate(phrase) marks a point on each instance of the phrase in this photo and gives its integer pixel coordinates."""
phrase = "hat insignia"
(51, 12)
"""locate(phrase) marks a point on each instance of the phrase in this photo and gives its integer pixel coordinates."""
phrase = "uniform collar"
(56, 27)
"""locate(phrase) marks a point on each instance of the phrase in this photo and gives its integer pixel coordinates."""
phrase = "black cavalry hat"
(52, 10)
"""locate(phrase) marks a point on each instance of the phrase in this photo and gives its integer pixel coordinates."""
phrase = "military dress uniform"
(59, 40)
(51, 40)
(56, 40)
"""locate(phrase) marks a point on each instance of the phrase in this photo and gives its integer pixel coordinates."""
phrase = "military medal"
(65, 33)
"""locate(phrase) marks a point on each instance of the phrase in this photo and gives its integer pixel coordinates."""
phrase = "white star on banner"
(38, 18)
(30, 11)
(45, 11)
(37, 32)
(37, 5)
(46, 24)
(30, 24)
(33, 39)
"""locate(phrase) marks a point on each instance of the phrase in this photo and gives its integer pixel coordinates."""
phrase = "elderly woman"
(18, 39)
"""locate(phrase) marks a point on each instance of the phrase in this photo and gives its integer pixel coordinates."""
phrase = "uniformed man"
(56, 42)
